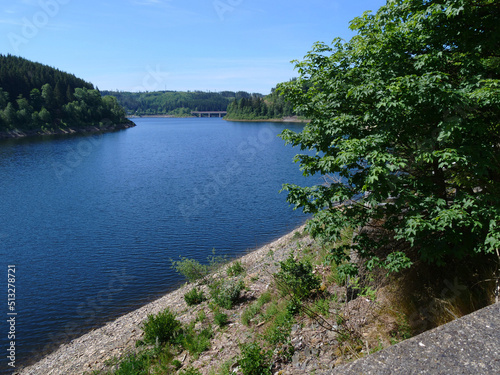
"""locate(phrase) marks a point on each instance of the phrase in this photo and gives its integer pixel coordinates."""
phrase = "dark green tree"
(10, 116)
(45, 117)
(405, 118)
(4, 98)
(36, 99)
(69, 94)
(112, 110)
(24, 113)
(59, 94)
(48, 96)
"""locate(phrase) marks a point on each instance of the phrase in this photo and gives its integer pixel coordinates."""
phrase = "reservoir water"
(91, 222)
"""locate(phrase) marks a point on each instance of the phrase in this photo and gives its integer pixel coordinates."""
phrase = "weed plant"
(254, 360)
(322, 306)
(196, 342)
(271, 311)
(235, 269)
(252, 310)
(194, 297)
(280, 328)
(190, 371)
(191, 269)
(296, 279)
(224, 369)
(220, 319)
(176, 364)
(161, 328)
(135, 364)
(201, 316)
(226, 293)
(157, 360)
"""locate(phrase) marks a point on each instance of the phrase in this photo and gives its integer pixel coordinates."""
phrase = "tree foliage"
(405, 115)
(256, 107)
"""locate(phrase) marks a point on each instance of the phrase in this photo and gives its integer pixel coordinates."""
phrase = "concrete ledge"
(469, 345)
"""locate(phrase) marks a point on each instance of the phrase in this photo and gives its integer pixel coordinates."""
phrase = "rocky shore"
(321, 341)
(91, 351)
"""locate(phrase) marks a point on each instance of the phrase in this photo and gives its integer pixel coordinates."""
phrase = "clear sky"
(148, 45)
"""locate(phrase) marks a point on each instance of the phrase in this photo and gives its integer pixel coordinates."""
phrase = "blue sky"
(148, 45)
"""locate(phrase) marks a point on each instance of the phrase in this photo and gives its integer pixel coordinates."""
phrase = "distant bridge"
(209, 113)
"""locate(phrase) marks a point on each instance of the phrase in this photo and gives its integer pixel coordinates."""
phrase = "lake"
(91, 222)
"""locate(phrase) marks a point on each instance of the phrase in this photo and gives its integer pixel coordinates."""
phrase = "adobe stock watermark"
(30, 27)
(221, 179)
(76, 155)
(154, 80)
(223, 6)
(89, 311)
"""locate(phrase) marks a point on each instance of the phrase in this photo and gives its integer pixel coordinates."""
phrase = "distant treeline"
(177, 103)
(35, 96)
(240, 105)
(271, 106)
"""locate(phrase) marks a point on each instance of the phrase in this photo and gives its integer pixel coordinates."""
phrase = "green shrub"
(235, 269)
(224, 369)
(264, 298)
(135, 364)
(271, 311)
(294, 306)
(190, 371)
(220, 319)
(201, 316)
(296, 279)
(279, 330)
(216, 261)
(195, 342)
(298, 234)
(177, 364)
(322, 306)
(157, 360)
(163, 328)
(194, 297)
(191, 269)
(248, 314)
(226, 293)
(254, 360)
(254, 308)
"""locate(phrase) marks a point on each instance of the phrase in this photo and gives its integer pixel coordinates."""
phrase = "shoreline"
(90, 351)
(159, 116)
(17, 134)
(284, 119)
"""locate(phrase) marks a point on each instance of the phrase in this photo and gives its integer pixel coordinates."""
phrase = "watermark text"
(11, 315)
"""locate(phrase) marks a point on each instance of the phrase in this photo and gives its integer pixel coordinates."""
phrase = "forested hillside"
(35, 97)
(177, 103)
